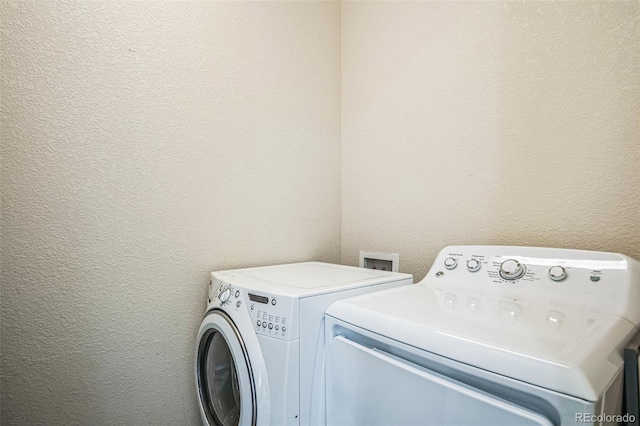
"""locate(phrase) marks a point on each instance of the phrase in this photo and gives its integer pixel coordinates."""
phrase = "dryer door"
(372, 387)
(223, 372)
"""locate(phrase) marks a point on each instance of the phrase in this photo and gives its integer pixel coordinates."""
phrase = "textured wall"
(143, 145)
(490, 123)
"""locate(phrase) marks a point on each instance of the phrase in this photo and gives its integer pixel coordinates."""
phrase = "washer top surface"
(560, 335)
(306, 279)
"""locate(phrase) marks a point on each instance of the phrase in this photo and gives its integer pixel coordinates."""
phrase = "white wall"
(489, 123)
(145, 144)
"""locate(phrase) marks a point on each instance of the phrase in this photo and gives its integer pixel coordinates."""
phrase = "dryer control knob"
(450, 263)
(224, 295)
(511, 269)
(557, 273)
(473, 265)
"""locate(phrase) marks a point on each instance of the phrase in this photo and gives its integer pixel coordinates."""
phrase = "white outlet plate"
(375, 260)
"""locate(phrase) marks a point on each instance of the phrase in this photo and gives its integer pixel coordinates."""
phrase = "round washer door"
(224, 377)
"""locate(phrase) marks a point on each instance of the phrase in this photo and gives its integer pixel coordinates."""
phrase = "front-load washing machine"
(260, 348)
(493, 336)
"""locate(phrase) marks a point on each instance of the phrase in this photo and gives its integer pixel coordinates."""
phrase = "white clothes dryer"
(493, 336)
(260, 348)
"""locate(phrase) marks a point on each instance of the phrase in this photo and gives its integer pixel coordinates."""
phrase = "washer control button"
(238, 303)
(224, 295)
(270, 326)
(237, 293)
(511, 269)
(284, 329)
(273, 301)
(277, 327)
(557, 273)
(473, 265)
(450, 263)
(258, 323)
(264, 324)
(594, 278)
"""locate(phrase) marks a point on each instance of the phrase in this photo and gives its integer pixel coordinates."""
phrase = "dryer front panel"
(226, 385)
(371, 387)
(391, 382)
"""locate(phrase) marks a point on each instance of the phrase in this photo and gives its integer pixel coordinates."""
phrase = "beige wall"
(145, 144)
(489, 123)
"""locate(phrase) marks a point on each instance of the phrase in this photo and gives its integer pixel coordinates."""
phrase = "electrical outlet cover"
(383, 261)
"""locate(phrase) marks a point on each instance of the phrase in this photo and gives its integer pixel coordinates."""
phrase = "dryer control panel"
(584, 279)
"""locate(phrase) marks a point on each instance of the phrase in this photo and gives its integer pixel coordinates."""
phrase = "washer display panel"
(225, 382)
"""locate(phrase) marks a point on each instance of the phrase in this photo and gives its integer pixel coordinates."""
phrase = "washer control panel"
(271, 315)
(608, 281)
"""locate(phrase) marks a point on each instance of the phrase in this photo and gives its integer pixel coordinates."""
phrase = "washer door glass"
(225, 380)
(220, 378)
